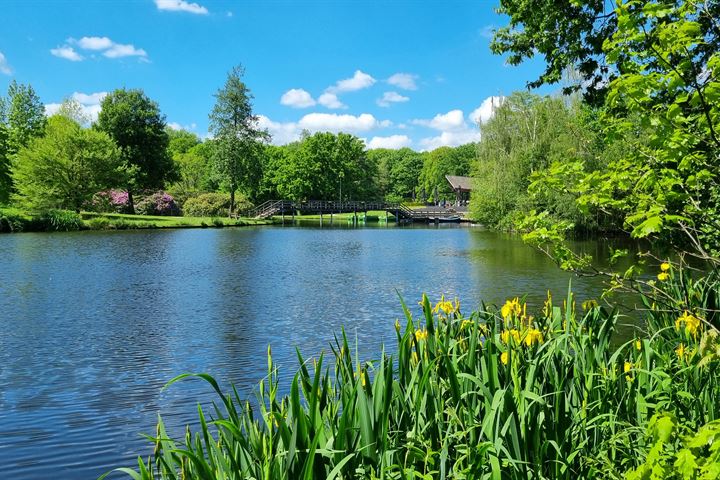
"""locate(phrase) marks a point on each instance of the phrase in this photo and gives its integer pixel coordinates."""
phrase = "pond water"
(93, 324)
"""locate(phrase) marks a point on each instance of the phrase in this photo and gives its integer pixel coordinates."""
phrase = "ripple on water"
(94, 324)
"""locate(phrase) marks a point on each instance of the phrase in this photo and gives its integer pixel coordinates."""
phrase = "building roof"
(464, 184)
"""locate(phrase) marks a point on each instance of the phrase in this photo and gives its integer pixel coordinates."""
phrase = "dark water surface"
(93, 324)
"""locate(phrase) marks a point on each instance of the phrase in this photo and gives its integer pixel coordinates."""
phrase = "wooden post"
(321, 219)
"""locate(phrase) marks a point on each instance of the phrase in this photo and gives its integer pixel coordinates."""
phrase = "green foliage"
(208, 205)
(661, 113)
(25, 115)
(22, 118)
(697, 457)
(398, 172)
(180, 141)
(194, 170)
(445, 161)
(322, 166)
(499, 393)
(64, 168)
(137, 126)
(13, 220)
(568, 34)
(238, 140)
(59, 221)
(526, 135)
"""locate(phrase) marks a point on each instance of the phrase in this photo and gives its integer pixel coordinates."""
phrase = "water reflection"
(93, 324)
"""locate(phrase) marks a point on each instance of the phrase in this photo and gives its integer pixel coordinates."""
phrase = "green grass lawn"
(99, 221)
(17, 220)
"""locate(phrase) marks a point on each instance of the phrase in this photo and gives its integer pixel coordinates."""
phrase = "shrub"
(98, 223)
(12, 220)
(159, 203)
(58, 220)
(110, 201)
(207, 205)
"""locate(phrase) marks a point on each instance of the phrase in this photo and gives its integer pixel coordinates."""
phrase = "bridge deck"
(401, 212)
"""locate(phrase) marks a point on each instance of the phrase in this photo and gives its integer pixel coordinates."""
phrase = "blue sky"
(408, 73)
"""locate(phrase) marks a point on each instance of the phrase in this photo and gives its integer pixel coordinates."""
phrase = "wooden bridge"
(402, 213)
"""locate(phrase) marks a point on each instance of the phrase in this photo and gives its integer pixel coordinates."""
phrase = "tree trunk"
(131, 202)
(232, 200)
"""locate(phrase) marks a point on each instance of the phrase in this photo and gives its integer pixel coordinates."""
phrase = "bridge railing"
(276, 207)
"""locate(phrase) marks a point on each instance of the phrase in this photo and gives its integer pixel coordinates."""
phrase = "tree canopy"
(137, 126)
(65, 167)
(238, 149)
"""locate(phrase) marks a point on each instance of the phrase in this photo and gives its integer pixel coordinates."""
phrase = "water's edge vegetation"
(498, 393)
(14, 221)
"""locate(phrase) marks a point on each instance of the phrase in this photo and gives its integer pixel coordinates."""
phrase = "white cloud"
(450, 139)
(330, 100)
(119, 50)
(391, 97)
(89, 99)
(287, 132)
(4, 65)
(406, 81)
(453, 127)
(488, 31)
(282, 133)
(94, 43)
(486, 110)
(109, 49)
(67, 52)
(393, 142)
(333, 122)
(181, 6)
(453, 120)
(89, 104)
(359, 81)
(177, 126)
(297, 98)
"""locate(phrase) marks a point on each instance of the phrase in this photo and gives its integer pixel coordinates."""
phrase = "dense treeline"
(130, 161)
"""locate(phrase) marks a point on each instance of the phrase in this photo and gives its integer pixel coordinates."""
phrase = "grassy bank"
(496, 394)
(370, 216)
(15, 220)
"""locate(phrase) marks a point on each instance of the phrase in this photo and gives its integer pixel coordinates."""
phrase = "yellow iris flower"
(507, 334)
(662, 276)
(664, 266)
(533, 336)
(421, 334)
(445, 306)
(691, 322)
(511, 307)
(504, 357)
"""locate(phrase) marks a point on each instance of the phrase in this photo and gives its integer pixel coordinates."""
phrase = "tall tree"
(239, 140)
(398, 172)
(25, 115)
(137, 126)
(64, 168)
(5, 180)
(22, 118)
(445, 161)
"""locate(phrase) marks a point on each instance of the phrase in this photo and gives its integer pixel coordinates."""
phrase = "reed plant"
(496, 394)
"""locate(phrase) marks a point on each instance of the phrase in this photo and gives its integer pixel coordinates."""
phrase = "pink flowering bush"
(117, 201)
(159, 203)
